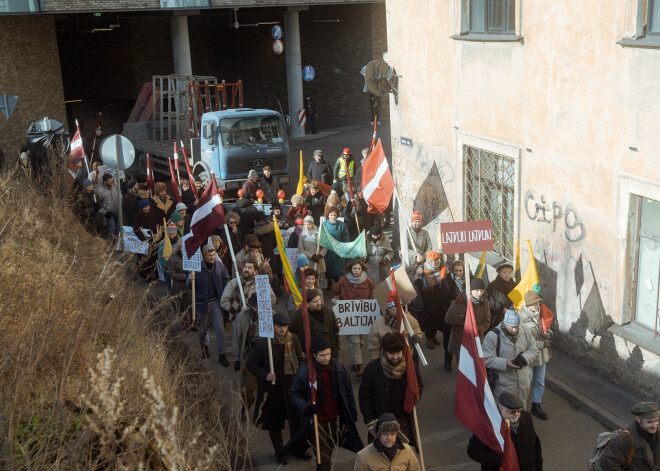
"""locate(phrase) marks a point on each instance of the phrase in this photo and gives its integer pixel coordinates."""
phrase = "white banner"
(103, 169)
(355, 317)
(132, 243)
(264, 307)
(193, 263)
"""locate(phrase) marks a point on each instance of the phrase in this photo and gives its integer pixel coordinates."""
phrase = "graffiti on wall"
(541, 211)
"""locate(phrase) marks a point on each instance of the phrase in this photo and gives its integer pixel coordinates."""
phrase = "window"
(654, 17)
(647, 274)
(492, 16)
(184, 3)
(19, 6)
(490, 194)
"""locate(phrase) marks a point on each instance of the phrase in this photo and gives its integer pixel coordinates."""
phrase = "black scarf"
(334, 383)
(649, 437)
(318, 315)
(390, 453)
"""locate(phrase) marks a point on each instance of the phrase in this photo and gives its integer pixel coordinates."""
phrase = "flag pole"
(419, 440)
(194, 313)
(233, 258)
(270, 359)
(418, 349)
(405, 218)
(318, 240)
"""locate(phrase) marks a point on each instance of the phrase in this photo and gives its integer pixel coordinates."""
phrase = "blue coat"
(220, 278)
(300, 395)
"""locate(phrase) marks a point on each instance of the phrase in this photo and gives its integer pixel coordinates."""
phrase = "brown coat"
(617, 452)
(345, 290)
(370, 459)
(456, 318)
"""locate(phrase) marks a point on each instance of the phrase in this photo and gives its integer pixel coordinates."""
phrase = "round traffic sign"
(308, 73)
(278, 46)
(116, 146)
(276, 32)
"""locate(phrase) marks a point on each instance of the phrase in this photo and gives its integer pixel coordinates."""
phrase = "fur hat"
(160, 186)
(387, 423)
(511, 318)
(207, 248)
(297, 199)
(392, 342)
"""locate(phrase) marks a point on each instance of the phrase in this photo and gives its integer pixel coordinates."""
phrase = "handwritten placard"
(132, 243)
(264, 307)
(467, 236)
(355, 317)
(193, 263)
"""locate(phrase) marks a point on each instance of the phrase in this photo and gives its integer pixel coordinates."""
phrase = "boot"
(222, 359)
(205, 352)
(538, 412)
(430, 343)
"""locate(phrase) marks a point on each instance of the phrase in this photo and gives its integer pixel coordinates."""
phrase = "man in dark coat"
(642, 437)
(315, 202)
(246, 211)
(384, 384)
(269, 185)
(319, 169)
(251, 186)
(310, 112)
(523, 436)
(272, 406)
(335, 406)
(321, 321)
(497, 293)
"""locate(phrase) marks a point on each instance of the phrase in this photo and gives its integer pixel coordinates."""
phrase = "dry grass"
(91, 376)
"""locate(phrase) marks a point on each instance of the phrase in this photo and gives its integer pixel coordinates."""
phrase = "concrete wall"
(577, 112)
(29, 68)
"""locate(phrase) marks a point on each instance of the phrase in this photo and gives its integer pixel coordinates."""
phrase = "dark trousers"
(276, 439)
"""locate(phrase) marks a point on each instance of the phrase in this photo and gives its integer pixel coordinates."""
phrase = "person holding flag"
(334, 263)
(522, 434)
(389, 450)
(387, 323)
(322, 320)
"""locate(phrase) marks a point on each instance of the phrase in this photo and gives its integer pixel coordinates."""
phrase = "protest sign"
(103, 169)
(467, 236)
(132, 243)
(264, 308)
(356, 316)
(406, 290)
(193, 263)
(292, 254)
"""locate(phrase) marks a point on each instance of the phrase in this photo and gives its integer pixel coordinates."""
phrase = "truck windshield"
(251, 130)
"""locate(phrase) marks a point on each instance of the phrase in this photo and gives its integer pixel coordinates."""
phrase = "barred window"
(489, 194)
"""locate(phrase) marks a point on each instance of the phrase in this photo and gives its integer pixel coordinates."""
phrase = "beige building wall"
(579, 113)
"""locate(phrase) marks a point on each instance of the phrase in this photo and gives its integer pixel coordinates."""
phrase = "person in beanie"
(244, 336)
(455, 317)
(251, 186)
(209, 286)
(319, 169)
(498, 291)
(246, 210)
(322, 321)
(523, 436)
(173, 235)
(334, 408)
(354, 285)
(641, 436)
(379, 254)
(416, 254)
(389, 450)
(88, 207)
(182, 210)
(517, 348)
(272, 406)
(530, 319)
(384, 384)
(429, 281)
(387, 324)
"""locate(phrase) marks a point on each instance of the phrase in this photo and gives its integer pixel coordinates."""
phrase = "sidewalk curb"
(582, 402)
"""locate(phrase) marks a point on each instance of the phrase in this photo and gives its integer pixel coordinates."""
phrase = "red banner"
(467, 236)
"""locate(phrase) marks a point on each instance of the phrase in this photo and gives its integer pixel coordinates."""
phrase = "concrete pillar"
(180, 45)
(293, 71)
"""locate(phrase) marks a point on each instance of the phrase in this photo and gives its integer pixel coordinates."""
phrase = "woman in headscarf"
(334, 263)
(307, 244)
(298, 209)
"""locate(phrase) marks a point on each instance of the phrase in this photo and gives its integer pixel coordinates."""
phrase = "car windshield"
(251, 131)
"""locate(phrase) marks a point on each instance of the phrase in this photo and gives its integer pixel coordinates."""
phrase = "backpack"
(491, 374)
(602, 441)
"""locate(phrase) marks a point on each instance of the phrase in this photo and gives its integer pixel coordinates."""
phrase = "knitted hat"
(180, 206)
(375, 230)
(503, 265)
(176, 216)
(319, 342)
(346, 151)
(253, 174)
(511, 318)
(208, 248)
(302, 260)
(433, 255)
(318, 152)
(416, 216)
(299, 222)
(143, 204)
(171, 228)
(532, 297)
(297, 199)
(477, 283)
(392, 343)
(87, 182)
(281, 318)
(308, 218)
(390, 300)
(160, 186)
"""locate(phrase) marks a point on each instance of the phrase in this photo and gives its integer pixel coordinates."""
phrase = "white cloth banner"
(132, 243)
(355, 317)
(264, 307)
(193, 263)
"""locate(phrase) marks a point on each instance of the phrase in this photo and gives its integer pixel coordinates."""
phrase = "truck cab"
(235, 141)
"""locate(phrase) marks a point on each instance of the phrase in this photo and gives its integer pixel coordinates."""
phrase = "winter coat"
(177, 274)
(378, 252)
(110, 199)
(162, 210)
(380, 327)
(456, 318)
(147, 221)
(532, 322)
(510, 379)
(89, 211)
(308, 248)
(498, 300)
(231, 297)
(265, 231)
(316, 206)
(246, 210)
(334, 264)
(423, 244)
(299, 394)
(272, 406)
(345, 290)
(526, 443)
(299, 212)
(328, 328)
(435, 303)
(270, 189)
(617, 452)
(188, 197)
(319, 171)
(250, 189)
(128, 208)
(239, 334)
(220, 279)
(370, 459)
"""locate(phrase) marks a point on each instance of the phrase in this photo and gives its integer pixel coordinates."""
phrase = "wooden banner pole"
(194, 312)
(419, 440)
(270, 359)
(233, 258)
(316, 433)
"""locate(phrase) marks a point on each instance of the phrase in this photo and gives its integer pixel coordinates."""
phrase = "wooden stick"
(270, 359)
(419, 440)
(233, 258)
(405, 218)
(466, 260)
(316, 434)
(411, 333)
(318, 240)
(194, 312)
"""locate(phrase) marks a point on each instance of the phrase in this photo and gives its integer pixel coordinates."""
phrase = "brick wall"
(29, 68)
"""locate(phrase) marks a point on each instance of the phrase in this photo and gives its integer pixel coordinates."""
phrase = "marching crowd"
(516, 346)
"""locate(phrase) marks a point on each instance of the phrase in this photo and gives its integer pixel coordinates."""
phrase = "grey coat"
(532, 322)
(309, 248)
(378, 252)
(423, 245)
(510, 379)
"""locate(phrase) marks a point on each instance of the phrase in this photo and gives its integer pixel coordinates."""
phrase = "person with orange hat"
(416, 254)
(344, 165)
(386, 324)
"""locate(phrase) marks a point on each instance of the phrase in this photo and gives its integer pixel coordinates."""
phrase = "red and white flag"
(208, 216)
(474, 404)
(77, 152)
(191, 177)
(176, 157)
(173, 185)
(373, 139)
(377, 181)
(150, 176)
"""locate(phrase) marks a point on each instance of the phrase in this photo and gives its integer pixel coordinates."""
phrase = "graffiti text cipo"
(543, 212)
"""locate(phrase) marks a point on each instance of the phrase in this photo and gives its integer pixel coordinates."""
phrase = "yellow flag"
(479, 272)
(167, 244)
(288, 270)
(530, 281)
(301, 183)
(517, 269)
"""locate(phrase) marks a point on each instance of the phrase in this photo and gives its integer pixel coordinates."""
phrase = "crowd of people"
(516, 347)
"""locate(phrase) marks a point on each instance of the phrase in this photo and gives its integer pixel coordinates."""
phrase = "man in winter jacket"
(642, 437)
(384, 384)
(231, 297)
(107, 190)
(389, 450)
(319, 169)
(422, 244)
(345, 165)
(269, 185)
(379, 254)
(508, 349)
(88, 206)
(523, 436)
(322, 321)
(387, 323)
(245, 333)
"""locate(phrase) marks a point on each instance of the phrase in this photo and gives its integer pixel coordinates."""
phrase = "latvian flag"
(77, 152)
(208, 216)
(377, 181)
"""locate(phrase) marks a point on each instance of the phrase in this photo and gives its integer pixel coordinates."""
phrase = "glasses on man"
(232, 223)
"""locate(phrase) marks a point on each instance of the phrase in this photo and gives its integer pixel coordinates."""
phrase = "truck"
(220, 135)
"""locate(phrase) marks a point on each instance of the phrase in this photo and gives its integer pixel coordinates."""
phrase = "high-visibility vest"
(342, 168)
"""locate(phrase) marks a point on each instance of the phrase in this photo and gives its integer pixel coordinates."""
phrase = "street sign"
(7, 104)
(276, 32)
(467, 236)
(278, 46)
(308, 73)
(111, 147)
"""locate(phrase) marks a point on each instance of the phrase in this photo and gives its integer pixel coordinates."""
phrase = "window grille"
(489, 194)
